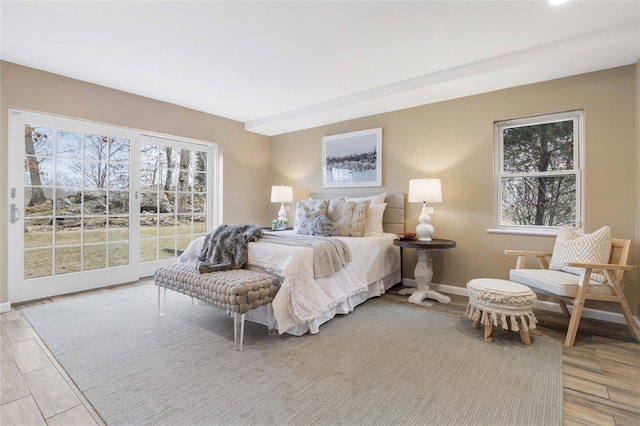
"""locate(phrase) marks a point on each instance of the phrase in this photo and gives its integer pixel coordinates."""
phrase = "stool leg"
(488, 331)
(524, 334)
(476, 323)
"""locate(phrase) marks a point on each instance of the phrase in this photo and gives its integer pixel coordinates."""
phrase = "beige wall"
(245, 154)
(637, 180)
(454, 141)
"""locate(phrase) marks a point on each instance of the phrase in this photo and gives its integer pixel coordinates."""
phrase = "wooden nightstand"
(423, 273)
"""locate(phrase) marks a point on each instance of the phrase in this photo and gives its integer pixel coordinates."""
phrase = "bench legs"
(238, 319)
(238, 330)
(164, 300)
(271, 322)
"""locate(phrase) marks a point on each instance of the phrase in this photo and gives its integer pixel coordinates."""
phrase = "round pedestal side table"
(426, 251)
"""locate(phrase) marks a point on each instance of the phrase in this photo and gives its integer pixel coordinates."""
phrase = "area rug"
(383, 364)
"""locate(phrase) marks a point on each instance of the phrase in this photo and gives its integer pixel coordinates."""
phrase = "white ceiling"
(284, 66)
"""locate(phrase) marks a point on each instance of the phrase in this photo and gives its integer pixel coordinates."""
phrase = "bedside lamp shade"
(425, 191)
(282, 194)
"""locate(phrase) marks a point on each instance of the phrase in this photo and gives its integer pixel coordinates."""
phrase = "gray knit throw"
(227, 248)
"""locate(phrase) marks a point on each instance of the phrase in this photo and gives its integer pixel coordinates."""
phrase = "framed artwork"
(352, 159)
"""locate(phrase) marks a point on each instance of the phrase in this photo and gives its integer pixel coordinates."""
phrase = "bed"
(305, 301)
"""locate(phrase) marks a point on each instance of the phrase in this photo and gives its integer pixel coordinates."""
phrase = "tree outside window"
(539, 171)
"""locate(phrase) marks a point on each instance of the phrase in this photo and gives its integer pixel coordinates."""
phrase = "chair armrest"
(541, 257)
(608, 266)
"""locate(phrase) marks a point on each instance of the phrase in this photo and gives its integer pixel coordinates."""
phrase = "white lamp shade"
(281, 194)
(425, 191)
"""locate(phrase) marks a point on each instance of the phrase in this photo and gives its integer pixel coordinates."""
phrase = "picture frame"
(352, 159)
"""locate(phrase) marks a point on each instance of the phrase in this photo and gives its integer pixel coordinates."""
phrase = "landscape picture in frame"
(352, 159)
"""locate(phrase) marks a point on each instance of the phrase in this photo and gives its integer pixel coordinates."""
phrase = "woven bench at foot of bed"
(237, 290)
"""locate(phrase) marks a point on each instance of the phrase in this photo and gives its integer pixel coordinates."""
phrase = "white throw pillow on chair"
(572, 246)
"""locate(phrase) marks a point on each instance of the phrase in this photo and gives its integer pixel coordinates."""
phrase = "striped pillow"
(572, 246)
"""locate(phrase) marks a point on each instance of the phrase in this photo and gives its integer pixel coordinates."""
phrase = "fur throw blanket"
(227, 248)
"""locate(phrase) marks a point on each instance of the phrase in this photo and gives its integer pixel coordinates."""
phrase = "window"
(539, 178)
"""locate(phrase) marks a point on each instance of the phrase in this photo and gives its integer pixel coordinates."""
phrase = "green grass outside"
(156, 242)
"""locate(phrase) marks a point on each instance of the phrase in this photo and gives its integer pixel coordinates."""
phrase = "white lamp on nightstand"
(281, 194)
(425, 191)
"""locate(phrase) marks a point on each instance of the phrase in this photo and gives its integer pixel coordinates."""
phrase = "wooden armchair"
(579, 287)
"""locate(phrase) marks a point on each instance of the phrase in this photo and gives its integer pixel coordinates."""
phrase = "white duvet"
(301, 298)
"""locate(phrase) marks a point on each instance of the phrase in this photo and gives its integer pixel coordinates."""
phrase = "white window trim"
(135, 269)
(579, 148)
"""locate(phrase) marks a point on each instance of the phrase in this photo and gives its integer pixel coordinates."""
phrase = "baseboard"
(591, 313)
(5, 307)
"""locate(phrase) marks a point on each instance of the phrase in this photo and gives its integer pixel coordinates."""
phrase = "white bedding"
(303, 303)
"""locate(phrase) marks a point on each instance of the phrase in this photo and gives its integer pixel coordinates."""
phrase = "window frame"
(577, 116)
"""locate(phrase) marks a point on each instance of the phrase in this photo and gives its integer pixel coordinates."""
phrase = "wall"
(245, 155)
(637, 180)
(454, 141)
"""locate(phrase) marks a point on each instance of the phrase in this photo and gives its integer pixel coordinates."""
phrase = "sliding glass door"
(174, 182)
(95, 205)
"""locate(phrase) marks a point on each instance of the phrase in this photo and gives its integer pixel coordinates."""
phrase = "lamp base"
(424, 230)
(282, 213)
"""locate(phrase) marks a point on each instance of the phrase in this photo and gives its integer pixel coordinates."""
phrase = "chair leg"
(626, 312)
(578, 304)
(563, 307)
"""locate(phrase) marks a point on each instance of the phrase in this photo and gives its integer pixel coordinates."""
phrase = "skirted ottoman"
(495, 302)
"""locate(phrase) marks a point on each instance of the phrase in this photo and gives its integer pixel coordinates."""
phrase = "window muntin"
(538, 179)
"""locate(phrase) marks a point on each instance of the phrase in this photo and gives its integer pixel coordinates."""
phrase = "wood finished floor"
(601, 373)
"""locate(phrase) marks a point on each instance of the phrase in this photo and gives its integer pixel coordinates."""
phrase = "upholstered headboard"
(393, 220)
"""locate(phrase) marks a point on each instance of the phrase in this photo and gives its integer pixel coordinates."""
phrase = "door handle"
(15, 213)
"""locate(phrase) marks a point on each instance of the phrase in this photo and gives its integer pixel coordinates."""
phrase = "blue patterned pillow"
(306, 214)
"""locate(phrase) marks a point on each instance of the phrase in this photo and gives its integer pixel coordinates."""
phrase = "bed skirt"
(260, 315)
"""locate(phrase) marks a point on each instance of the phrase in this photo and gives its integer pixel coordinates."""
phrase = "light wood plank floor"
(601, 372)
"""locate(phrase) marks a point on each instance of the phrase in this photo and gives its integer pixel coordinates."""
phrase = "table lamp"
(282, 194)
(425, 191)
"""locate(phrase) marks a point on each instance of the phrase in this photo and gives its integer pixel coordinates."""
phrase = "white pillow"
(306, 214)
(571, 246)
(374, 219)
(350, 218)
(375, 199)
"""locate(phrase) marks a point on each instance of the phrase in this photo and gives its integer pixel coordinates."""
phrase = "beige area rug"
(383, 364)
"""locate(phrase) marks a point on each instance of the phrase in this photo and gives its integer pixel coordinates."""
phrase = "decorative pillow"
(316, 203)
(350, 217)
(374, 219)
(375, 199)
(305, 215)
(322, 226)
(572, 246)
(332, 202)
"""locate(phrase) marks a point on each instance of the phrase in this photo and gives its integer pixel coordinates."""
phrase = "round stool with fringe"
(494, 302)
